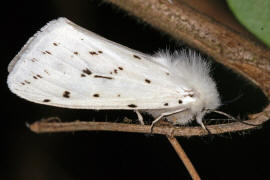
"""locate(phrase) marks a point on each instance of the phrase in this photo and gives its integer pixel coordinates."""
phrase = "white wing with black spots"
(67, 66)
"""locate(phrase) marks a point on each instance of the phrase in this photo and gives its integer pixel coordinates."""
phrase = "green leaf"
(254, 15)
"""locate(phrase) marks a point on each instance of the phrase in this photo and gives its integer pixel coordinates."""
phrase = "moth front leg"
(166, 114)
(140, 118)
(199, 118)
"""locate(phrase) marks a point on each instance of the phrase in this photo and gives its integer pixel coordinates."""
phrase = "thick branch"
(198, 30)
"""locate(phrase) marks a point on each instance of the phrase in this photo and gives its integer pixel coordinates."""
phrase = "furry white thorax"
(190, 69)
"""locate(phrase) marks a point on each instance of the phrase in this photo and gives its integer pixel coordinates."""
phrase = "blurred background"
(111, 155)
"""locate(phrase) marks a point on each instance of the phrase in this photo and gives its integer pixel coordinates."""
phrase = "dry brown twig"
(50, 127)
(229, 47)
(181, 153)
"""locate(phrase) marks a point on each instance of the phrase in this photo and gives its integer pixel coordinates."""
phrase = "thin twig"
(181, 153)
(53, 127)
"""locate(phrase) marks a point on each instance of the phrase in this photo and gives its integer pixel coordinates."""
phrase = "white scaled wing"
(67, 66)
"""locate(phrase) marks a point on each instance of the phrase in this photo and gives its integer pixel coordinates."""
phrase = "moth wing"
(65, 65)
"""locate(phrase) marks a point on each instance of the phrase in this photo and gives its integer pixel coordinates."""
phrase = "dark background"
(110, 155)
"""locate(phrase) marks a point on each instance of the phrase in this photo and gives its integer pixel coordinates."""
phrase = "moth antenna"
(232, 100)
(216, 119)
(233, 118)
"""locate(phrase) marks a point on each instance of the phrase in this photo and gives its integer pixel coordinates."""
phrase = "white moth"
(67, 66)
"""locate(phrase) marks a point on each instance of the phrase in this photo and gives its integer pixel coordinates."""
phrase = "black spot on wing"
(137, 57)
(147, 81)
(27, 82)
(46, 100)
(120, 68)
(39, 76)
(34, 60)
(180, 101)
(95, 95)
(190, 95)
(76, 53)
(132, 105)
(105, 77)
(100, 52)
(48, 52)
(87, 71)
(93, 53)
(55, 44)
(66, 94)
(166, 104)
(82, 75)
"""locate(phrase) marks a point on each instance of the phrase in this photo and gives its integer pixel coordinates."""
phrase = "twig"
(45, 126)
(53, 127)
(181, 153)
(179, 150)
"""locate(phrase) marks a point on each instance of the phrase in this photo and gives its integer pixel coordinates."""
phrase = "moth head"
(205, 102)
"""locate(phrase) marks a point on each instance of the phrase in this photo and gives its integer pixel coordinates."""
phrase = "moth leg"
(202, 125)
(51, 119)
(164, 115)
(199, 121)
(140, 118)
